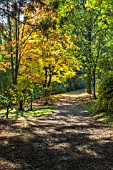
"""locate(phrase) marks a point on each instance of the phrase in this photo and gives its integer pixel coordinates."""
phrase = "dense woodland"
(49, 47)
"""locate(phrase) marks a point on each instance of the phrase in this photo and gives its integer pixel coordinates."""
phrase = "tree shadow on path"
(66, 139)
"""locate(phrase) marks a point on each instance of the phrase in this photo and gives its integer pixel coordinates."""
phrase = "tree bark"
(7, 113)
(89, 90)
(89, 56)
(94, 83)
(31, 105)
(21, 105)
(10, 45)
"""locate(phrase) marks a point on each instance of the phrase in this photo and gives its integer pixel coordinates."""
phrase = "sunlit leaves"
(39, 49)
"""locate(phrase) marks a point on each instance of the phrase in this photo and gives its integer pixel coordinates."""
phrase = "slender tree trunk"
(31, 104)
(89, 90)
(17, 48)
(89, 85)
(10, 44)
(94, 83)
(7, 112)
(47, 83)
(21, 105)
(89, 55)
(94, 72)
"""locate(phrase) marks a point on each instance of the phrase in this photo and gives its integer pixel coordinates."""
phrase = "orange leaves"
(2, 69)
(40, 43)
(3, 66)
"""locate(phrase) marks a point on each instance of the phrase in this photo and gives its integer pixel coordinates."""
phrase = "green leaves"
(105, 93)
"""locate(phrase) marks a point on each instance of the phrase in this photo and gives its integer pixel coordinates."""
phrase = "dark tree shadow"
(61, 140)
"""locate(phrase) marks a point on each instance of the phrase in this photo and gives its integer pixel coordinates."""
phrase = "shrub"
(58, 88)
(105, 95)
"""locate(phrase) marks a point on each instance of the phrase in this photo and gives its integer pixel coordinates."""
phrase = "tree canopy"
(47, 42)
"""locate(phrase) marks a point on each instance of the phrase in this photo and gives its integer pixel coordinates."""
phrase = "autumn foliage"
(36, 50)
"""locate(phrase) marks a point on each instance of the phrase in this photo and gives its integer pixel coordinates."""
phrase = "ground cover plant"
(36, 112)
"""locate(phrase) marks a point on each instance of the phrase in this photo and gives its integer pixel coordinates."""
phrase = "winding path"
(66, 139)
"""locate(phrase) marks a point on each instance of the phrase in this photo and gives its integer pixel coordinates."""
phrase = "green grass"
(88, 106)
(36, 112)
(104, 117)
(101, 116)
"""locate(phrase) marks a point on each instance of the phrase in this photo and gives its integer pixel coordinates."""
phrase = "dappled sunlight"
(67, 136)
(72, 95)
(84, 111)
(61, 146)
(78, 98)
(75, 95)
(85, 149)
(11, 165)
(36, 112)
(54, 139)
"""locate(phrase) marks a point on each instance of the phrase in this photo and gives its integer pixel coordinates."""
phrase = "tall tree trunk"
(89, 85)
(31, 104)
(89, 55)
(17, 47)
(21, 105)
(89, 90)
(7, 112)
(10, 44)
(94, 83)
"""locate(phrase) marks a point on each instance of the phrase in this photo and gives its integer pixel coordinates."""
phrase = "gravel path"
(66, 139)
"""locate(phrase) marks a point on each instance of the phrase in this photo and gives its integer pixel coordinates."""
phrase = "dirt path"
(66, 139)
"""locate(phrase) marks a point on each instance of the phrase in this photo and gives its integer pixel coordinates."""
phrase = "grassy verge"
(36, 112)
(88, 106)
(106, 117)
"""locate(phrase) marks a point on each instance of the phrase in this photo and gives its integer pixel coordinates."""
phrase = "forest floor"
(67, 138)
